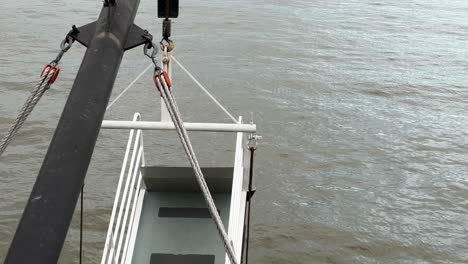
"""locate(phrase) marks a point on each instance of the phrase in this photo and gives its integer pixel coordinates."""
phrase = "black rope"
(250, 193)
(81, 225)
(252, 152)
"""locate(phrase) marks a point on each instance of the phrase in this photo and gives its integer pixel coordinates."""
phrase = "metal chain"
(182, 132)
(31, 102)
(204, 90)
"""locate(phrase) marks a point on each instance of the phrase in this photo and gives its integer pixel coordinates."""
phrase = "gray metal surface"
(182, 179)
(167, 235)
(181, 259)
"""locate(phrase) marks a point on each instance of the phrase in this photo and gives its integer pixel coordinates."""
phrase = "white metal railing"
(124, 211)
(238, 198)
(207, 127)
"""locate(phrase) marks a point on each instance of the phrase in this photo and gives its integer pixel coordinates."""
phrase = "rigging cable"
(81, 225)
(47, 78)
(163, 84)
(205, 90)
(128, 87)
(36, 94)
(154, 63)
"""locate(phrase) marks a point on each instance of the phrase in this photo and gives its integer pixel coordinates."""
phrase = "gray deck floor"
(176, 235)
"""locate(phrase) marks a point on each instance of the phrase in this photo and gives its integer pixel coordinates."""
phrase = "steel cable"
(205, 90)
(31, 102)
(182, 132)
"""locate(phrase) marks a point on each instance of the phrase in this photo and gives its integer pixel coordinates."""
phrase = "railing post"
(44, 225)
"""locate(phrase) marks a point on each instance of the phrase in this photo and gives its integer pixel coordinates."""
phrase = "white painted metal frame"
(136, 222)
(121, 227)
(207, 127)
(126, 212)
(238, 200)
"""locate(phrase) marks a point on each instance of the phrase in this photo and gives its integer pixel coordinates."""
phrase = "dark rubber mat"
(187, 212)
(181, 259)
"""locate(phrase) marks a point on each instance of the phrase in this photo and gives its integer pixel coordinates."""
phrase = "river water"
(361, 103)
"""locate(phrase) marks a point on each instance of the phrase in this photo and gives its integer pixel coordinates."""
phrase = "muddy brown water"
(362, 106)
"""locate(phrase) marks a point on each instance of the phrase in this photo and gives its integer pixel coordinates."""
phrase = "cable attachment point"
(253, 142)
(65, 45)
(50, 70)
(166, 28)
(166, 44)
(150, 45)
(73, 31)
(158, 80)
(109, 2)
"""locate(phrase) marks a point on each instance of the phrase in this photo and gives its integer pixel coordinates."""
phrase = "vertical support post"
(238, 195)
(44, 225)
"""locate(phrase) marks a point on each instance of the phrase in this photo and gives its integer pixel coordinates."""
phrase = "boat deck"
(175, 227)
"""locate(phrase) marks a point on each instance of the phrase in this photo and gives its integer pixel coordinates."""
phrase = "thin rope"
(248, 207)
(129, 86)
(81, 225)
(200, 178)
(205, 90)
(182, 132)
(42, 85)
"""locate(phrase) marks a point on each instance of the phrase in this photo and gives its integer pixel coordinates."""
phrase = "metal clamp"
(51, 68)
(157, 79)
(253, 142)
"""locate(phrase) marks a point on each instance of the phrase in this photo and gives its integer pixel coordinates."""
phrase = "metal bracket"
(85, 34)
(250, 194)
(136, 37)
